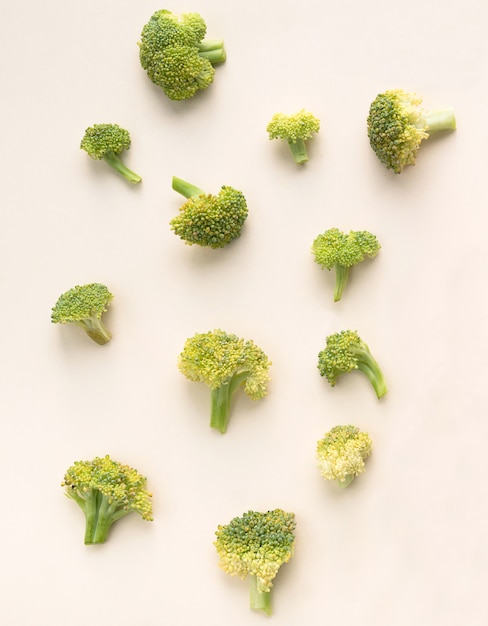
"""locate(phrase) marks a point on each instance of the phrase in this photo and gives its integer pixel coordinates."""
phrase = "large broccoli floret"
(295, 130)
(397, 125)
(257, 545)
(107, 142)
(106, 491)
(175, 55)
(224, 362)
(341, 454)
(335, 249)
(345, 352)
(84, 306)
(206, 219)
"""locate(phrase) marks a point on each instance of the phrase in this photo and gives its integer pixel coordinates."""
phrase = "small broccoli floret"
(341, 454)
(107, 142)
(84, 306)
(206, 219)
(335, 249)
(346, 351)
(397, 125)
(224, 362)
(176, 56)
(296, 130)
(106, 491)
(257, 545)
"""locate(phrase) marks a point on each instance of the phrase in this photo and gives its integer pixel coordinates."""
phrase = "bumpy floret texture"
(337, 248)
(211, 220)
(291, 128)
(341, 454)
(214, 358)
(102, 139)
(340, 355)
(166, 29)
(256, 544)
(80, 303)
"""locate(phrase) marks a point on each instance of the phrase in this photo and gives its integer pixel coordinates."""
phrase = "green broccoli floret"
(175, 54)
(346, 351)
(106, 491)
(206, 219)
(257, 545)
(107, 142)
(335, 249)
(295, 130)
(341, 454)
(397, 125)
(224, 362)
(84, 306)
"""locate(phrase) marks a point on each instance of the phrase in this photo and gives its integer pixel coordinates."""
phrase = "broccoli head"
(107, 142)
(345, 352)
(295, 130)
(224, 362)
(341, 454)
(397, 125)
(257, 545)
(176, 56)
(84, 306)
(335, 249)
(106, 491)
(209, 220)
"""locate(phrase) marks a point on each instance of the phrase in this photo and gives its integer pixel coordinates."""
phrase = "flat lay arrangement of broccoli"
(397, 125)
(340, 251)
(84, 306)
(107, 142)
(176, 56)
(256, 545)
(105, 490)
(341, 454)
(296, 130)
(206, 219)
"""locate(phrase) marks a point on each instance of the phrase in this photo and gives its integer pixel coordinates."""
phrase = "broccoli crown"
(81, 302)
(291, 128)
(211, 220)
(337, 248)
(165, 29)
(341, 454)
(102, 139)
(256, 544)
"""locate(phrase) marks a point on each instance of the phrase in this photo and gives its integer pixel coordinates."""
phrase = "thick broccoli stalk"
(397, 126)
(106, 491)
(341, 454)
(296, 130)
(209, 220)
(257, 545)
(107, 142)
(84, 306)
(345, 352)
(224, 362)
(337, 250)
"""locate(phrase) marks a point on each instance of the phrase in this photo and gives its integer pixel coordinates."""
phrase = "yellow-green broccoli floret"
(84, 306)
(295, 130)
(106, 491)
(209, 220)
(257, 545)
(338, 250)
(341, 454)
(107, 142)
(397, 125)
(345, 352)
(224, 362)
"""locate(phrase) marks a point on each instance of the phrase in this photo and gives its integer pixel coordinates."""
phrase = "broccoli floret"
(295, 130)
(107, 142)
(176, 56)
(106, 491)
(335, 249)
(84, 306)
(341, 454)
(224, 362)
(397, 125)
(346, 351)
(206, 219)
(257, 545)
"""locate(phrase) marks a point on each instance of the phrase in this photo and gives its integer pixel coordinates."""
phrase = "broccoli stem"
(260, 600)
(221, 399)
(114, 161)
(369, 366)
(442, 119)
(346, 482)
(100, 514)
(342, 274)
(299, 151)
(212, 50)
(96, 330)
(186, 189)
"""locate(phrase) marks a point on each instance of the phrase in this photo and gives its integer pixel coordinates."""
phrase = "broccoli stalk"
(100, 514)
(220, 400)
(259, 600)
(186, 189)
(213, 50)
(115, 162)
